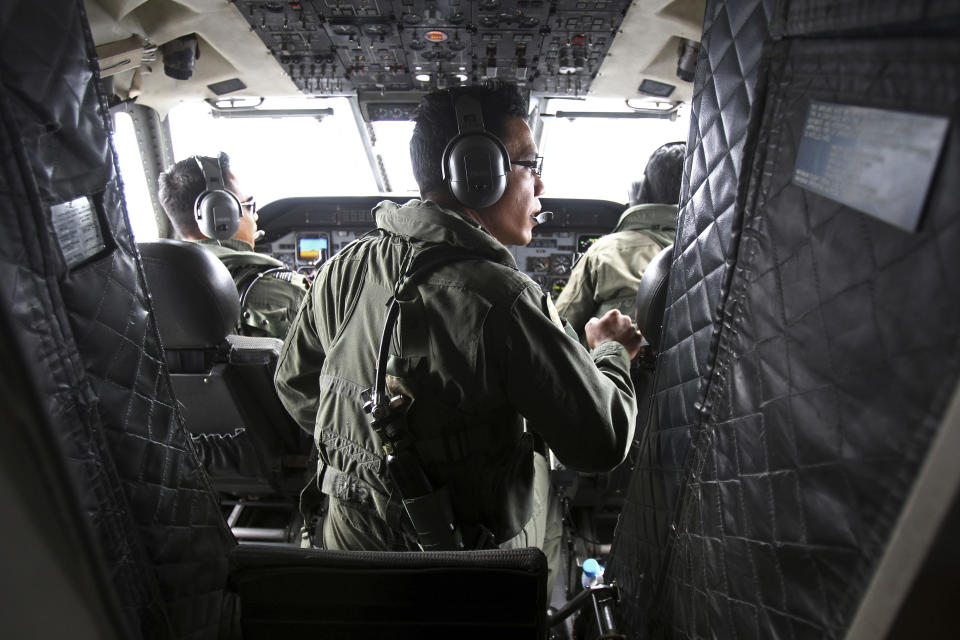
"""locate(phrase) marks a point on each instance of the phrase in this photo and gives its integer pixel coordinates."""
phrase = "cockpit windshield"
(600, 147)
(304, 147)
(322, 147)
(391, 145)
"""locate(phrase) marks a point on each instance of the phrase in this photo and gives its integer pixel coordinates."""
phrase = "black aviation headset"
(216, 209)
(475, 162)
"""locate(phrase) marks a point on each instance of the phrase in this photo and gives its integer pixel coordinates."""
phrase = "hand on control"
(616, 327)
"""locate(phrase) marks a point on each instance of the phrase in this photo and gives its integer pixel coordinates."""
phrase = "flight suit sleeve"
(576, 302)
(298, 369)
(271, 304)
(582, 404)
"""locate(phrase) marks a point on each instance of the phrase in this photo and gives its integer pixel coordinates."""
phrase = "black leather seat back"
(288, 593)
(199, 305)
(224, 382)
(810, 341)
(74, 300)
(652, 297)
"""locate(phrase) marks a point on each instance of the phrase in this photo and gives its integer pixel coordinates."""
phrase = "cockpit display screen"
(311, 248)
(584, 242)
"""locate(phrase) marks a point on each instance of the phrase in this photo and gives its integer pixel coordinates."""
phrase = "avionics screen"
(584, 242)
(311, 248)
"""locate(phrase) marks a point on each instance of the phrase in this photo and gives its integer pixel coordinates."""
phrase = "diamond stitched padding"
(98, 358)
(838, 356)
(811, 17)
(724, 91)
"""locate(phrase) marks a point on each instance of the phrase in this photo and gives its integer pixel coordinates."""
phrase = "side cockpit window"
(135, 191)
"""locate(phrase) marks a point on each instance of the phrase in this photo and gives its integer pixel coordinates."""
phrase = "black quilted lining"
(96, 354)
(724, 91)
(807, 17)
(838, 354)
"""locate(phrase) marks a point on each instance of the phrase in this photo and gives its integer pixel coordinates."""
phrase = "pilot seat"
(592, 502)
(253, 451)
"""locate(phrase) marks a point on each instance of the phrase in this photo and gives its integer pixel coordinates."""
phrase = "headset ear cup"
(218, 214)
(475, 168)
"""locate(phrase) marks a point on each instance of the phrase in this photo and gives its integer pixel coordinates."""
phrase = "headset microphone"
(543, 217)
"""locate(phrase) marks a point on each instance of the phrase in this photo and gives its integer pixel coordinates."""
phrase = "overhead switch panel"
(340, 47)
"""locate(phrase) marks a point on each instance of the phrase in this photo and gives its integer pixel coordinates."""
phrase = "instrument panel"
(304, 232)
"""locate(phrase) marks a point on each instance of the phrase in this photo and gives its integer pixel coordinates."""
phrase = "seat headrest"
(194, 298)
(652, 297)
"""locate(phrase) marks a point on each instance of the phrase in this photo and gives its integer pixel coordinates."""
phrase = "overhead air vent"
(180, 56)
(687, 62)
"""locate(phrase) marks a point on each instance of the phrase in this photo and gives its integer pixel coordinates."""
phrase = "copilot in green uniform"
(479, 352)
(270, 293)
(608, 275)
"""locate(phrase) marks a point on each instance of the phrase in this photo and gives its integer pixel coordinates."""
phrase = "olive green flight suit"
(479, 352)
(608, 275)
(270, 302)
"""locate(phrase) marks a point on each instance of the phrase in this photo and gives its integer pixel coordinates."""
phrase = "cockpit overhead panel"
(331, 47)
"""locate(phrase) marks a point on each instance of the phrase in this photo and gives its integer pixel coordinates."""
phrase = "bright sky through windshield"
(600, 157)
(392, 143)
(277, 158)
(285, 157)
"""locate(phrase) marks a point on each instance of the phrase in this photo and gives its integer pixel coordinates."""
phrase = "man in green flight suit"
(608, 274)
(270, 294)
(480, 349)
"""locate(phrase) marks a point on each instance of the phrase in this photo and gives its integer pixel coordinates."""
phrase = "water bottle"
(592, 573)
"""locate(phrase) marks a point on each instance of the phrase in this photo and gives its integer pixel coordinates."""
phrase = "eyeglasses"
(252, 203)
(535, 165)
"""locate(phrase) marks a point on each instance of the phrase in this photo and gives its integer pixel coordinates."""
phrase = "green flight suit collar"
(646, 216)
(427, 221)
(229, 243)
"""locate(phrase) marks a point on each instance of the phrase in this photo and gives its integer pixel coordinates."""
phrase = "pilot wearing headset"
(474, 352)
(204, 203)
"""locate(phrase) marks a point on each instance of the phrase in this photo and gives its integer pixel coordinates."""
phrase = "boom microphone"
(543, 217)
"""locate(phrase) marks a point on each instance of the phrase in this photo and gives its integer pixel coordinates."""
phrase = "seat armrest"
(250, 350)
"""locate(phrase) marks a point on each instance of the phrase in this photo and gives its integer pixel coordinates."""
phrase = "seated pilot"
(608, 274)
(270, 294)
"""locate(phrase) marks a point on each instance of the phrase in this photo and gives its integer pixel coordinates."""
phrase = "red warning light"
(435, 36)
(294, 5)
(578, 41)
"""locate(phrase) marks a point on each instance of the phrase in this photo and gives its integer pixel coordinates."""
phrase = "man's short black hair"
(662, 177)
(178, 188)
(437, 125)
